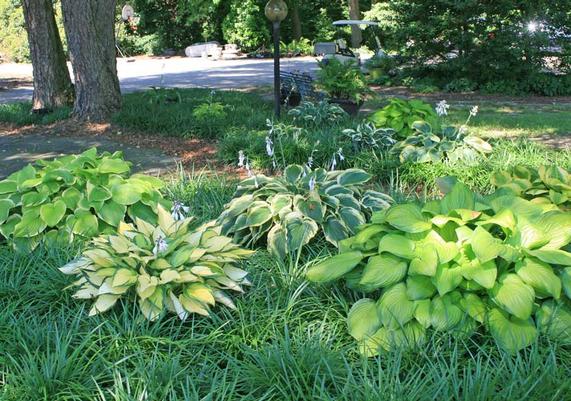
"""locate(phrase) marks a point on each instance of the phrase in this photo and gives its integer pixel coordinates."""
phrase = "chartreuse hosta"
(289, 211)
(77, 195)
(547, 184)
(460, 264)
(168, 266)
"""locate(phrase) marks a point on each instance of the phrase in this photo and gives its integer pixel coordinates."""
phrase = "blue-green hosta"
(546, 184)
(77, 195)
(168, 266)
(450, 144)
(289, 211)
(459, 264)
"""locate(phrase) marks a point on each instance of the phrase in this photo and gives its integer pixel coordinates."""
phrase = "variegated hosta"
(546, 184)
(289, 211)
(458, 264)
(167, 266)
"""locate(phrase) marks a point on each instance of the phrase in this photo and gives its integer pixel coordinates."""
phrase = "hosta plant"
(166, 267)
(77, 195)
(318, 113)
(400, 115)
(451, 144)
(289, 211)
(460, 264)
(546, 184)
(366, 136)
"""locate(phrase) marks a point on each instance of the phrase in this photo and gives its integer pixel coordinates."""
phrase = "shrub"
(317, 114)
(76, 195)
(546, 184)
(451, 144)
(168, 266)
(290, 211)
(455, 265)
(368, 137)
(342, 80)
(400, 115)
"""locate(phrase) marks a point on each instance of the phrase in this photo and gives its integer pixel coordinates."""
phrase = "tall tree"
(52, 84)
(355, 13)
(90, 30)
(295, 20)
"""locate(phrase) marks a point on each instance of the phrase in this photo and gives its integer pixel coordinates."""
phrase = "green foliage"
(289, 211)
(401, 115)
(302, 47)
(460, 85)
(19, 114)
(342, 80)
(210, 117)
(74, 196)
(451, 144)
(246, 25)
(317, 114)
(543, 185)
(162, 96)
(13, 39)
(367, 136)
(455, 265)
(168, 266)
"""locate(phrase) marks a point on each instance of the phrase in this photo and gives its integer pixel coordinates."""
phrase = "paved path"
(18, 150)
(179, 72)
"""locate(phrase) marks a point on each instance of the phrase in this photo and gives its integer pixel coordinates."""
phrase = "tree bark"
(90, 30)
(52, 84)
(296, 21)
(355, 13)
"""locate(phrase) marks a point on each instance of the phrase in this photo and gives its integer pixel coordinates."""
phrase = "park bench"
(297, 86)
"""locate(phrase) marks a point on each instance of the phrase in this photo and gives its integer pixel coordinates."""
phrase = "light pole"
(276, 11)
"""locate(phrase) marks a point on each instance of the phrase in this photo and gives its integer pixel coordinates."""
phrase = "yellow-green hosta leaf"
(124, 277)
(126, 193)
(419, 287)
(409, 336)
(200, 292)
(511, 334)
(552, 256)
(193, 306)
(395, 307)
(445, 312)
(422, 312)
(363, 319)
(8, 227)
(447, 278)
(514, 296)
(555, 321)
(149, 309)
(234, 273)
(29, 226)
(103, 303)
(146, 286)
(540, 276)
(52, 213)
(85, 224)
(484, 274)
(474, 307)
(168, 276)
(5, 206)
(112, 213)
(408, 218)
(383, 270)
(398, 245)
(8, 187)
(113, 166)
(566, 281)
(334, 267)
(460, 197)
(75, 266)
(426, 260)
(485, 246)
(258, 215)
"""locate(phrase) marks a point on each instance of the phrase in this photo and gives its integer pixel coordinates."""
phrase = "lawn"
(292, 336)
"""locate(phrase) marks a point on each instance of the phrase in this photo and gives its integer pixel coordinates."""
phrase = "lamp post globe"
(276, 12)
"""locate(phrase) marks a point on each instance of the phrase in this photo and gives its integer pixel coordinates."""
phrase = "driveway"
(181, 72)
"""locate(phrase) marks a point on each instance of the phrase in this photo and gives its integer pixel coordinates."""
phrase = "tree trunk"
(52, 84)
(296, 21)
(355, 13)
(90, 30)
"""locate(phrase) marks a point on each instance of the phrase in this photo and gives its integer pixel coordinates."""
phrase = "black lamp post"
(276, 11)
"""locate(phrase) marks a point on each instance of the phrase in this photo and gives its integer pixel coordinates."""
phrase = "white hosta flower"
(340, 154)
(160, 246)
(474, 111)
(269, 146)
(334, 162)
(442, 108)
(241, 158)
(309, 163)
(463, 130)
(179, 211)
(312, 182)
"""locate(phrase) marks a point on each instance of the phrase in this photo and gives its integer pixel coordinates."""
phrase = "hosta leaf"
(7, 229)
(409, 336)
(311, 208)
(511, 333)
(8, 187)
(5, 206)
(485, 246)
(383, 271)
(353, 176)
(299, 231)
(484, 274)
(540, 276)
(514, 296)
(112, 213)
(29, 226)
(193, 306)
(85, 224)
(200, 292)
(277, 242)
(363, 319)
(419, 287)
(52, 213)
(258, 216)
(126, 194)
(395, 307)
(474, 307)
(334, 230)
(71, 197)
(422, 312)
(426, 260)
(113, 166)
(460, 197)
(103, 303)
(124, 277)
(351, 218)
(445, 313)
(556, 257)
(447, 278)
(97, 193)
(555, 321)
(334, 267)
(408, 218)
(397, 245)
(566, 281)
(292, 173)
